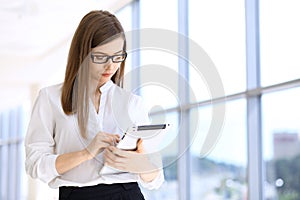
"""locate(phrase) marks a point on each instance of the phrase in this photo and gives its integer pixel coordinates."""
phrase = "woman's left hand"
(130, 161)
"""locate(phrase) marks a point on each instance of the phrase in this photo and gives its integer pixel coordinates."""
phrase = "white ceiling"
(34, 42)
(35, 37)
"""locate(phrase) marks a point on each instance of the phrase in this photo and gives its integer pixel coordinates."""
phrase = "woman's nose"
(108, 64)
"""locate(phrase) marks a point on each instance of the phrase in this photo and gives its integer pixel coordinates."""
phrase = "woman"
(75, 125)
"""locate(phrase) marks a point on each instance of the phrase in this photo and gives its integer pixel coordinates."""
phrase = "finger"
(139, 142)
(104, 134)
(106, 157)
(118, 152)
(140, 147)
(111, 140)
(107, 140)
(104, 144)
(109, 156)
(111, 135)
(119, 166)
(112, 158)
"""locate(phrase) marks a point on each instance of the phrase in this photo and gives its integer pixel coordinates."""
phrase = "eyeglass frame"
(109, 57)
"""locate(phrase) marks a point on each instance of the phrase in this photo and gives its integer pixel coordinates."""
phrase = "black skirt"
(117, 191)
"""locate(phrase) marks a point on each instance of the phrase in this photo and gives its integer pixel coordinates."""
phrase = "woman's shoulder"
(121, 93)
(127, 102)
(52, 88)
(52, 92)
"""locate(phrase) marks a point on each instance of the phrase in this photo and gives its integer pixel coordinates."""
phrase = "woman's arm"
(148, 177)
(68, 161)
(134, 161)
(39, 142)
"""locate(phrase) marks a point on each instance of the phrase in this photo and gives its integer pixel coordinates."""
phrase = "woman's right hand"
(68, 161)
(101, 141)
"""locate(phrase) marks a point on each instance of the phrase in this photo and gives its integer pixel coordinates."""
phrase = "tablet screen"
(151, 127)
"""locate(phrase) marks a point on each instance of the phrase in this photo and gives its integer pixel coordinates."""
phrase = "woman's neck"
(96, 99)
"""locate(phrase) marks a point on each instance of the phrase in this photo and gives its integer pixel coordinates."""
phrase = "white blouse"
(51, 132)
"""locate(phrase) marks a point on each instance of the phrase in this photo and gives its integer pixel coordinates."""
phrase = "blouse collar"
(104, 88)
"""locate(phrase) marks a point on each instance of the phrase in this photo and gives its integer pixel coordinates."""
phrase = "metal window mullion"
(255, 160)
(12, 156)
(4, 156)
(135, 81)
(1, 157)
(19, 160)
(183, 171)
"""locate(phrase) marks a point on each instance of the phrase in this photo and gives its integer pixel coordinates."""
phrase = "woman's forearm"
(68, 161)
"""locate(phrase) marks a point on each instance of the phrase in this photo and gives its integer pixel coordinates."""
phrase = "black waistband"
(103, 189)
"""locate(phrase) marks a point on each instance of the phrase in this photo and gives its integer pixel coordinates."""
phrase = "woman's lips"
(106, 74)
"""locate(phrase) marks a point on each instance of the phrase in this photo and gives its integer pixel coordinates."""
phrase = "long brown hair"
(96, 28)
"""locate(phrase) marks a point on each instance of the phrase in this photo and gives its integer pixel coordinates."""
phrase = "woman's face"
(101, 73)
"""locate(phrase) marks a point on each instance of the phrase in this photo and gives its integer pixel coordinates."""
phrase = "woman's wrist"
(148, 177)
(68, 161)
(86, 154)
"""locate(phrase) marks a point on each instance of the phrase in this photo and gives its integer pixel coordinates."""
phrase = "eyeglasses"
(100, 58)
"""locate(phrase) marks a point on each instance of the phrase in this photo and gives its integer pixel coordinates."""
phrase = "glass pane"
(222, 173)
(169, 150)
(4, 157)
(159, 60)
(281, 132)
(159, 92)
(159, 14)
(218, 27)
(1, 159)
(125, 17)
(159, 76)
(280, 41)
(21, 185)
(12, 154)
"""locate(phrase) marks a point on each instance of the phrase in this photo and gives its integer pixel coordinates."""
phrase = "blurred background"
(255, 47)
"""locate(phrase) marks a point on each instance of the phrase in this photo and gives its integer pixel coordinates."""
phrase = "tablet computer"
(130, 138)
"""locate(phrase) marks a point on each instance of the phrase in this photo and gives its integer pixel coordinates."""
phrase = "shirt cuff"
(154, 184)
(53, 164)
(47, 168)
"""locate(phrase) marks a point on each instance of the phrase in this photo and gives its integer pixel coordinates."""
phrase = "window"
(11, 153)
(159, 93)
(156, 58)
(238, 49)
(219, 28)
(169, 152)
(222, 173)
(280, 42)
(125, 17)
(281, 131)
(159, 14)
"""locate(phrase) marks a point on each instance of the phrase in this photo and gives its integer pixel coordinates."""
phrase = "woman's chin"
(102, 81)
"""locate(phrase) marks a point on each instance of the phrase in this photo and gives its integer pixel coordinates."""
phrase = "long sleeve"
(155, 184)
(39, 141)
(143, 118)
(51, 133)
